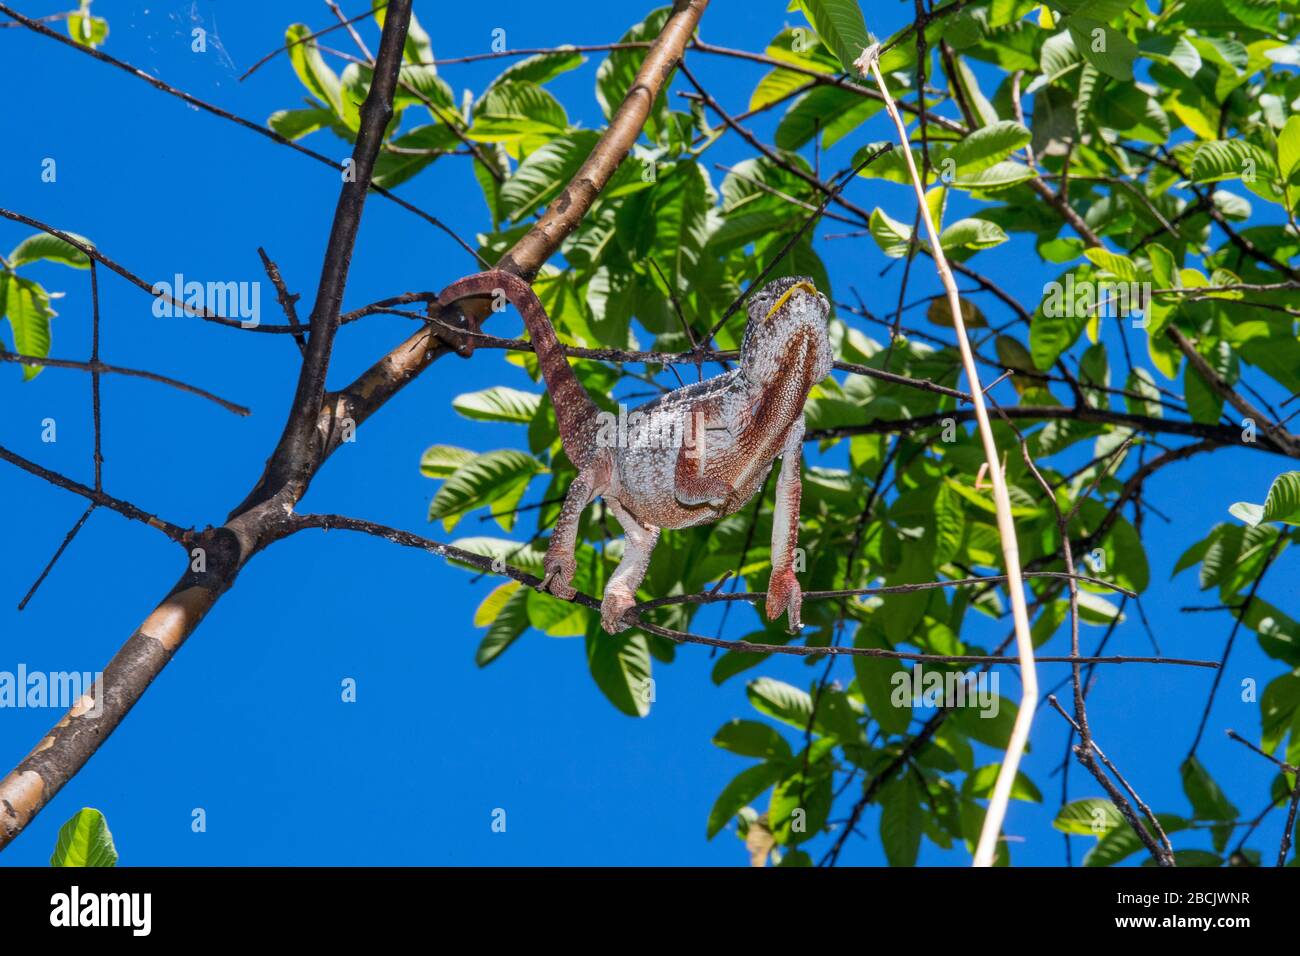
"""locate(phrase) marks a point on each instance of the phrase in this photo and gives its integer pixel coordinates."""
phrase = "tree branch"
(72, 742)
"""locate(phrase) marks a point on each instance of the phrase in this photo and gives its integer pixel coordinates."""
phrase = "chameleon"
(724, 436)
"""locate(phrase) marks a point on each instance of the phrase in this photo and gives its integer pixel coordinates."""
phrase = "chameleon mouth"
(785, 296)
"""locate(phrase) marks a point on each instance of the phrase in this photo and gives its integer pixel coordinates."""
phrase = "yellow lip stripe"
(806, 286)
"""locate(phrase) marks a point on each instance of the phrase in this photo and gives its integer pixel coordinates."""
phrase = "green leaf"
(799, 806)
(972, 234)
(749, 738)
(616, 74)
(1288, 147)
(320, 80)
(1207, 800)
(1277, 707)
(1234, 555)
(489, 477)
(1057, 58)
(1104, 47)
(1260, 14)
(901, 820)
(541, 68)
(354, 87)
(839, 23)
(1119, 266)
(1184, 858)
(1105, 10)
(992, 726)
(505, 612)
(87, 30)
(498, 404)
(1127, 559)
(1012, 354)
(1164, 270)
(830, 110)
(420, 85)
(526, 556)
(775, 86)
(949, 523)
(879, 684)
(1142, 383)
(989, 145)
(999, 176)
(515, 110)
(85, 841)
(679, 227)
(744, 789)
(1092, 816)
(939, 313)
(295, 124)
(1282, 503)
(440, 461)
(1131, 111)
(545, 172)
(1231, 159)
(1175, 51)
(1121, 842)
(45, 246)
(394, 168)
(781, 701)
(27, 306)
(1205, 404)
(980, 784)
(620, 665)
(892, 235)
(1056, 324)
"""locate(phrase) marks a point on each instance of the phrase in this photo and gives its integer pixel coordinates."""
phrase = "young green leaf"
(85, 840)
(839, 23)
(1282, 503)
(52, 248)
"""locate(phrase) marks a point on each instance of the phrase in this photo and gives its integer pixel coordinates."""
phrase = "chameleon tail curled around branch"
(575, 412)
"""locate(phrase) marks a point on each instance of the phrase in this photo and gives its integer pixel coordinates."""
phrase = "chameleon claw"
(614, 610)
(785, 595)
(555, 580)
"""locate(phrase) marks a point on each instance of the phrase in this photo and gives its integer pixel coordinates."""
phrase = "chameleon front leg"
(560, 564)
(620, 590)
(783, 592)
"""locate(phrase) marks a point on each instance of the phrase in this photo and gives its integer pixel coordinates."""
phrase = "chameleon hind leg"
(620, 590)
(560, 564)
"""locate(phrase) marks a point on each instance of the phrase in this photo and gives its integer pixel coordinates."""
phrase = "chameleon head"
(787, 323)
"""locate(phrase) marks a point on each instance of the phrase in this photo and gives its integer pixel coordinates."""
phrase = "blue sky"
(247, 722)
